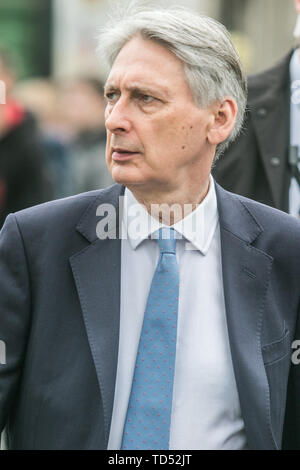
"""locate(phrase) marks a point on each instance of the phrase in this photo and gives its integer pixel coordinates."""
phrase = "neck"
(170, 207)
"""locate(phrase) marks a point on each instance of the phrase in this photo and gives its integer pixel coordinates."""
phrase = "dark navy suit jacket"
(59, 319)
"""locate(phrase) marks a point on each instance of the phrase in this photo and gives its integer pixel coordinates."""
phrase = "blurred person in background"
(24, 181)
(263, 163)
(83, 105)
(41, 96)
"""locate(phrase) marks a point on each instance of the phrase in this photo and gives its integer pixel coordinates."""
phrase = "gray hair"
(211, 63)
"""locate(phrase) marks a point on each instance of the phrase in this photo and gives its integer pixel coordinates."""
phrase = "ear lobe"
(225, 114)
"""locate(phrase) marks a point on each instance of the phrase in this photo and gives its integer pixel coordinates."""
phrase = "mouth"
(120, 154)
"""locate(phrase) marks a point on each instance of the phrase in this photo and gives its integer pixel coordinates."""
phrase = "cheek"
(107, 149)
(193, 136)
(171, 136)
(106, 114)
(180, 138)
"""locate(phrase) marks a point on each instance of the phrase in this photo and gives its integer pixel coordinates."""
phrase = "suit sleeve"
(14, 313)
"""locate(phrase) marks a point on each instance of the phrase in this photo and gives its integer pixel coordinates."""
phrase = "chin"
(127, 176)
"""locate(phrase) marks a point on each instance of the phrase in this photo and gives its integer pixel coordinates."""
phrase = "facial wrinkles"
(158, 134)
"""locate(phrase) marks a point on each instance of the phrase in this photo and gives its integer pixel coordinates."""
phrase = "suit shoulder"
(56, 209)
(60, 212)
(269, 217)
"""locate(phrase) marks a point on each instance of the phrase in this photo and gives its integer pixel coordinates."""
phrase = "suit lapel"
(96, 271)
(246, 274)
(270, 114)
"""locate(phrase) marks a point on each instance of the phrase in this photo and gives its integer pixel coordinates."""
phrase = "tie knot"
(166, 239)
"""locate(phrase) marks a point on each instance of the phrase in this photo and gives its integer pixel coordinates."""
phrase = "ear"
(297, 5)
(222, 120)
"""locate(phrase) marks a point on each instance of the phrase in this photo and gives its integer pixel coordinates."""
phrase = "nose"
(117, 118)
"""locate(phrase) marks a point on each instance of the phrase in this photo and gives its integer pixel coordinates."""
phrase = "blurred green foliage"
(25, 34)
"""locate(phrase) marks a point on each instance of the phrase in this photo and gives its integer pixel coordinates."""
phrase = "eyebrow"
(137, 89)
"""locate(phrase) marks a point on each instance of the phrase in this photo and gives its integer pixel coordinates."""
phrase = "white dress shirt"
(294, 194)
(205, 408)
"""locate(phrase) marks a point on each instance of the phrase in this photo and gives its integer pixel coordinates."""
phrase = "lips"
(121, 154)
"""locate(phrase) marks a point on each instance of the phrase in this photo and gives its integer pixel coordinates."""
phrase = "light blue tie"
(147, 424)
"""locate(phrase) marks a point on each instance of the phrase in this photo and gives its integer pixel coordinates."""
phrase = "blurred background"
(56, 38)
(52, 138)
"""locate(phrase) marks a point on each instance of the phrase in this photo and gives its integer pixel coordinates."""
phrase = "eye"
(147, 98)
(110, 96)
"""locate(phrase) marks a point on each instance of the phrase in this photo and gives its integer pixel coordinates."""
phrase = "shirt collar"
(197, 228)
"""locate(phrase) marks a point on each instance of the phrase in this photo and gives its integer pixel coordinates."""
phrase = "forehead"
(147, 62)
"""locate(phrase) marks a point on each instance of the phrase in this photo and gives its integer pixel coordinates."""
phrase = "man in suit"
(161, 312)
(262, 162)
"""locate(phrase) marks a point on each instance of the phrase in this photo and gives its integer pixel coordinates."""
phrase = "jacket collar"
(105, 208)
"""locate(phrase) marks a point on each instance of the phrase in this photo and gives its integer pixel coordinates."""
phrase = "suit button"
(262, 112)
(275, 161)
